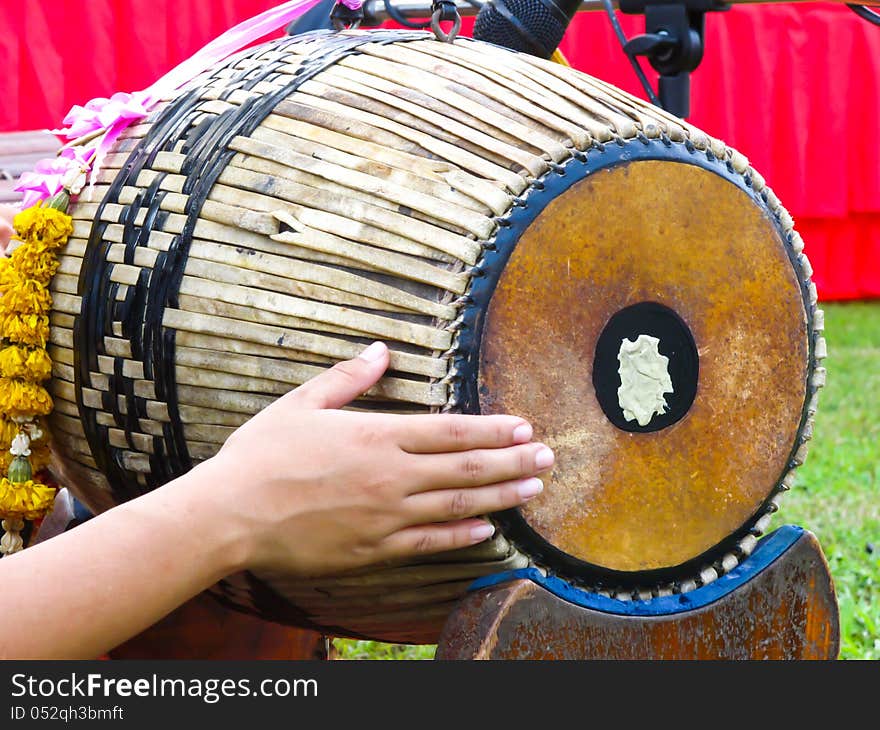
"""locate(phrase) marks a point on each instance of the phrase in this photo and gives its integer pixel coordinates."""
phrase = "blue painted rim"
(764, 555)
(520, 216)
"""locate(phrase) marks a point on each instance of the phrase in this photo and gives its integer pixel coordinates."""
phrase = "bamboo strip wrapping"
(410, 65)
(425, 100)
(60, 319)
(222, 233)
(196, 415)
(65, 284)
(201, 304)
(249, 180)
(400, 65)
(466, 160)
(358, 128)
(211, 232)
(232, 345)
(73, 443)
(79, 239)
(263, 373)
(487, 192)
(68, 425)
(435, 190)
(373, 325)
(266, 183)
(233, 383)
(304, 235)
(290, 373)
(381, 153)
(301, 341)
(310, 190)
(65, 407)
(226, 274)
(65, 402)
(477, 224)
(642, 112)
(250, 260)
(540, 88)
(70, 304)
(320, 95)
(358, 85)
(209, 434)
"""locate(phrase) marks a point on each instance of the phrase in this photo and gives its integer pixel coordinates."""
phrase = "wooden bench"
(19, 152)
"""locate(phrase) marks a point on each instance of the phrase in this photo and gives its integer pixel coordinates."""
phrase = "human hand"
(7, 215)
(313, 490)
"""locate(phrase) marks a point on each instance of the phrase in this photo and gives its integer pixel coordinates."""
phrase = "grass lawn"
(837, 494)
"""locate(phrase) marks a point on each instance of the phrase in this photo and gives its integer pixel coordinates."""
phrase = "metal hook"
(344, 18)
(445, 11)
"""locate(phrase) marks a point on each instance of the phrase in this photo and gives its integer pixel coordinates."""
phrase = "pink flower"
(51, 176)
(100, 113)
(80, 156)
(44, 182)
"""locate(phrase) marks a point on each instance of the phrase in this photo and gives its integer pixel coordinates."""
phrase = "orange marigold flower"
(25, 329)
(26, 296)
(24, 363)
(21, 398)
(31, 263)
(28, 500)
(47, 225)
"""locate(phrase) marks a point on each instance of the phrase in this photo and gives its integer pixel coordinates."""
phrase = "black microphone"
(531, 26)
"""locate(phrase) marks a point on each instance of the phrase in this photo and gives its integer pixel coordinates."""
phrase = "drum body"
(526, 239)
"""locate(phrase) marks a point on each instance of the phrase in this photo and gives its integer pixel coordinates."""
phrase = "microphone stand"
(673, 42)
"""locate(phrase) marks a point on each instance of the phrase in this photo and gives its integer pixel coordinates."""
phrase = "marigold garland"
(25, 302)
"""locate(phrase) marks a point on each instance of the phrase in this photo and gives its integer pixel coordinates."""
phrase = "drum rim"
(487, 274)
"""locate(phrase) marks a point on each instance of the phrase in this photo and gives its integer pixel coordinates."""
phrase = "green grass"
(837, 494)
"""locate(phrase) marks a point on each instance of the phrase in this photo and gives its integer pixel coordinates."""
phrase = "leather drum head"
(687, 266)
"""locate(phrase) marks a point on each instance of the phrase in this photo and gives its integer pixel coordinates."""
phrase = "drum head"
(649, 322)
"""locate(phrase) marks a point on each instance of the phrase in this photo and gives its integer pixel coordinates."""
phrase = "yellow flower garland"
(25, 303)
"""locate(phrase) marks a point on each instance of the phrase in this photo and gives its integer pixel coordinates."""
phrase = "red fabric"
(796, 88)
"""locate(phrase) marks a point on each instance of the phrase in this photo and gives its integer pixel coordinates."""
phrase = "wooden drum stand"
(777, 604)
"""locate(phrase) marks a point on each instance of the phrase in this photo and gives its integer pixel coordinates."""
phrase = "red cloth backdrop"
(794, 87)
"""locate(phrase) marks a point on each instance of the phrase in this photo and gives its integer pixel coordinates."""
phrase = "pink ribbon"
(53, 175)
(121, 109)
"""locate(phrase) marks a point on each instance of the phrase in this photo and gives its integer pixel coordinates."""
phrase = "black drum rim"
(526, 209)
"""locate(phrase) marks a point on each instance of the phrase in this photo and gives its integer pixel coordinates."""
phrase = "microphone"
(530, 26)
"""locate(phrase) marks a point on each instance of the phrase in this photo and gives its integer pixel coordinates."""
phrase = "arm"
(301, 488)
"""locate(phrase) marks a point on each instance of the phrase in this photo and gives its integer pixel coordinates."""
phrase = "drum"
(527, 239)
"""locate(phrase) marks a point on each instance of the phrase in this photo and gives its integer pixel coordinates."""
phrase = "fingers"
(444, 505)
(344, 382)
(478, 467)
(428, 539)
(437, 434)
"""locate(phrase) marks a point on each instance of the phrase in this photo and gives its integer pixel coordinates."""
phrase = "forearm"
(280, 496)
(82, 593)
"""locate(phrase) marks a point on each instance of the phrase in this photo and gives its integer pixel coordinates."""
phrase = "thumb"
(344, 382)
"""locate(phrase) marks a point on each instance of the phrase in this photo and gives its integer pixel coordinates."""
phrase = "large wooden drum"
(527, 239)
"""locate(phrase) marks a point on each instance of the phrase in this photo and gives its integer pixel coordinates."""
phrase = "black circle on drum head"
(676, 343)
